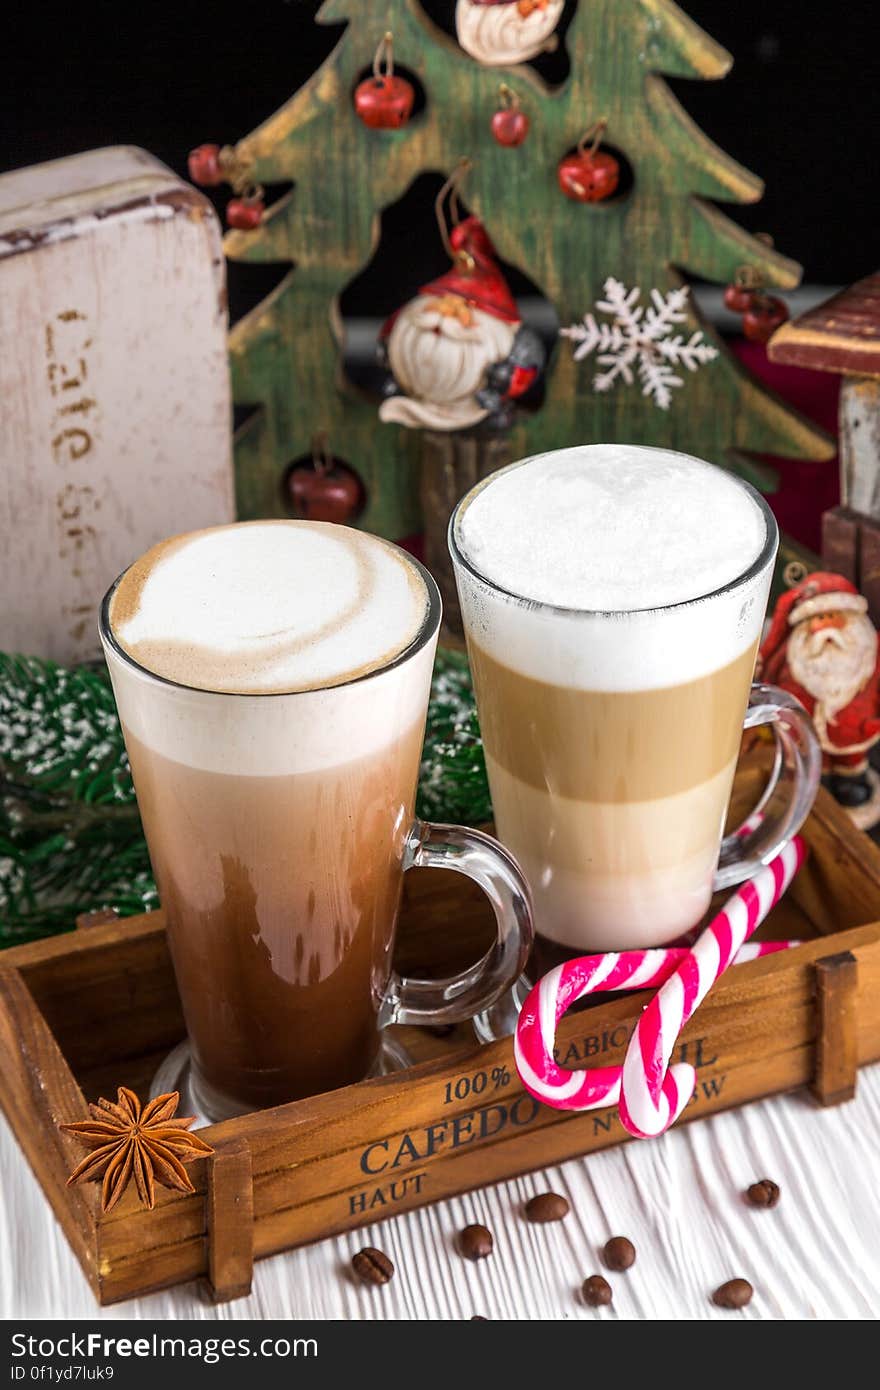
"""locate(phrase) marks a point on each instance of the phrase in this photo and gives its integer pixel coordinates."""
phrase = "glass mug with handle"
(272, 680)
(613, 600)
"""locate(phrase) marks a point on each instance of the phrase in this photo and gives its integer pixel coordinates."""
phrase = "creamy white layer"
(273, 735)
(608, 535)
(613, 876)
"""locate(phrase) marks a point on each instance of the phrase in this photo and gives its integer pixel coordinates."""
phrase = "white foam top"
(630, 546)
(612, 527)
(268, 607)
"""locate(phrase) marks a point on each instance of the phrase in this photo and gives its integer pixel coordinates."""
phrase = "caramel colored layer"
(611, 746)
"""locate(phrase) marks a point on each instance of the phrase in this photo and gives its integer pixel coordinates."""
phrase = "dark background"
(799, 107)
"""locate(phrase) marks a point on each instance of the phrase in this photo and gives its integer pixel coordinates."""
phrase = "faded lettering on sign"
(74, 415)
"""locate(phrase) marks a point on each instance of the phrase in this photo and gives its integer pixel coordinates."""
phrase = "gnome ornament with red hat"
(458, 354)
(822, 648)
(499, 33)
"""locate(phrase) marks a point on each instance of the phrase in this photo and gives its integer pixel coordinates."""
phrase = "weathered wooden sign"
(114, 388)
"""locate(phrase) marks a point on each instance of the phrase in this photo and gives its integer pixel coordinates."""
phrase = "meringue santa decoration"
(458, 353)
(499, 33)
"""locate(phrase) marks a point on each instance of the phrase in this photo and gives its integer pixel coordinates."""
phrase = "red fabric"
(521, 379)
(807, 487)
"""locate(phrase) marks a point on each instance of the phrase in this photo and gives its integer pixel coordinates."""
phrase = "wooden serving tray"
(81, 1014)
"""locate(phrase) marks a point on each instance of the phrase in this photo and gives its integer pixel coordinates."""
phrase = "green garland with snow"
(70, 834)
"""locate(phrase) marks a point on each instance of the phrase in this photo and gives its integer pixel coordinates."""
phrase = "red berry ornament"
(204, 165)
(589, 175)
(510, 124)
(764, 315)
(244, 214)
(323, 488)
(384, 101)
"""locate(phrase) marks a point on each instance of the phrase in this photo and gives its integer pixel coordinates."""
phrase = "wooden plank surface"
(815, 1256)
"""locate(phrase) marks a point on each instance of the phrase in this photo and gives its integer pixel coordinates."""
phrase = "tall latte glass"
(272, 680)
(613, 599)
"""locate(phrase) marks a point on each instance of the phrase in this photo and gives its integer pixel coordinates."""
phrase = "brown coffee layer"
(611, 746)
(281, 897)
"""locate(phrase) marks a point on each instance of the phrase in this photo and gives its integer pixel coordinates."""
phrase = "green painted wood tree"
(287, 353)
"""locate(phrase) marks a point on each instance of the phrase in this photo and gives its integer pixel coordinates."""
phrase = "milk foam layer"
(270, 733)
(611, 526)
(647, 535)
(267, 607)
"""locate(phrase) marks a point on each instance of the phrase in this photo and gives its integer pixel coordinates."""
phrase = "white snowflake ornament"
(640, 341)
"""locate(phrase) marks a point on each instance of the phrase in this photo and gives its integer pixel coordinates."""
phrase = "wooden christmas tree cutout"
(287, 352)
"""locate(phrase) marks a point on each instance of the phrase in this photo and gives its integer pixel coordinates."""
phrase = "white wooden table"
(815, 1255)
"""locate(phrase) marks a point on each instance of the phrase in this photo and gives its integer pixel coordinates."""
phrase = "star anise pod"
(129, 1141)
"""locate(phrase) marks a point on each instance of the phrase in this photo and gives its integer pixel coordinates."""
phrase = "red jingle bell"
(589, 175)
(509, 124)
(323, 488)
(588, 178)
(244, 214)
(204, 165)
(764, 315)
(738, 298)
(384, 101)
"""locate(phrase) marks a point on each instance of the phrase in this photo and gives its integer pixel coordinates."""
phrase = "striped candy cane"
(535, 1036)
(653, 1094)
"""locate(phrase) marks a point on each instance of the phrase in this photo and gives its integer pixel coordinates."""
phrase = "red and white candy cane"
(653, 1094)
(596, 1087)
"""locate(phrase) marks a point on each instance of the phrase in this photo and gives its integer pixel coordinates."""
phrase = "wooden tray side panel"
(38, 1093)
(105, 992)
(839, 886)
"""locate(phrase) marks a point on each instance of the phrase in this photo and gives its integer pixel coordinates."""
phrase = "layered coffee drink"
(272, 680)
(613, 599)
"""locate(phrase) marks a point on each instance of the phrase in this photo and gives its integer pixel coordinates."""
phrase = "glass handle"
(454, 1000)
(794, 779)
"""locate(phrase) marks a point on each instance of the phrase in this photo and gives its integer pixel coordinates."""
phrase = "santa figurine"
(500, 33)
(822, 648)
(458, 354)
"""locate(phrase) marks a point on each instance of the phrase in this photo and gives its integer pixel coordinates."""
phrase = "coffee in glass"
(272, 680)
(613, 599)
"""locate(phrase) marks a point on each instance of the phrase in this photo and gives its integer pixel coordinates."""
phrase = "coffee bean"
(619, 1253)
(736, 1293)
(372, 1266)
(475, 1242)
(596, 1291)
(546, 1206)
(764, 1193)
